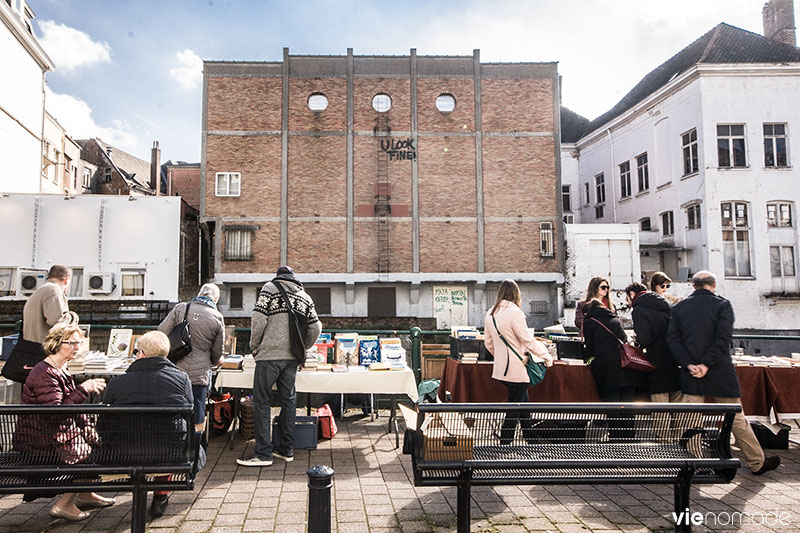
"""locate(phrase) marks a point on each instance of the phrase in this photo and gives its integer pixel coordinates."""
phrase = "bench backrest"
(92, 437)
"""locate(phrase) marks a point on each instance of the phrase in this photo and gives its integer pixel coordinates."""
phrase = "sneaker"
(287, 458)
(771, 462)
(158, 505)
(254, 461)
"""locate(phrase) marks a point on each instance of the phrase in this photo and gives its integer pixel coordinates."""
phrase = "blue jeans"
(268, 373)
(199, 393)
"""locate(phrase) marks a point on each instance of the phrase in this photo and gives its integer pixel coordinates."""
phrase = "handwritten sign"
(450, 306)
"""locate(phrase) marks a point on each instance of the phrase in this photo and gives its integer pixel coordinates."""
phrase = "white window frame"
(667, 224)
(238, 244)
(8, 279)
(786, 263)
(75, 289)
(772, 140)
(566, 199)
(600, 189)
(691, 161)
(726, 136)
(693, 220)
(586, 192)
(738, 226)
(546, 239)
(87, 178)
(779, 215)
(643, 172)
(649, 224)
(132, 281)
(223, 182)
(625, 179)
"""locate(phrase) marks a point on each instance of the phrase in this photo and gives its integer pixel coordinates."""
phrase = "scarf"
(207, 300)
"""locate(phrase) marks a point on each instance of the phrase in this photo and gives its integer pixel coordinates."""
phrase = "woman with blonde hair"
(507, 319)
(50, 383)
(600, 289)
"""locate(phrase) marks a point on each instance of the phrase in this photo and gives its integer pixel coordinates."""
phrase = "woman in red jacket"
(71, 438)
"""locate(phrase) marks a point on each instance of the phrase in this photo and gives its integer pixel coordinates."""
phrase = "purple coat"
(69, 437)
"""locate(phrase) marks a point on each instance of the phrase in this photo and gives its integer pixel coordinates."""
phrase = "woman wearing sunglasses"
(599, 289)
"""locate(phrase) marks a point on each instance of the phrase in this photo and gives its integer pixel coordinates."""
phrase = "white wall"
(142, 234)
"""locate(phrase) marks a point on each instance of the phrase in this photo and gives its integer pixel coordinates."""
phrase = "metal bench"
(131, 449)
(572, 444)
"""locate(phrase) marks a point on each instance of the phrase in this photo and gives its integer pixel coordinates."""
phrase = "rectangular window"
(546, 239)
(643, 172)
(690, 161)
(566, 199)
(644, 224)
(775, 146)
(75, 289)
(321, 296)
(598, 211)
(132, 283)
(7, 287)
(667, 224)
(381, 302)
(600, 189)
(237, 244)
(87, 178)
(779, 215)
(586, 199)
(236, 301)
(625, 179)
(228, 183)
(730, 145)
(108, 175)
(736, 239)
(693, 216)
(782, 268)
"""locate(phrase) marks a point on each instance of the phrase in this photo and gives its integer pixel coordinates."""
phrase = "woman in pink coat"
(507, 318)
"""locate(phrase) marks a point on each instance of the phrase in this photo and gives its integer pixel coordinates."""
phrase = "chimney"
(155, 168)
(778, 18)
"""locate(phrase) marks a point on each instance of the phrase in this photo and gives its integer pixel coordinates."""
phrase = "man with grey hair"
(699, 336)
(47, 306)
(207, 328)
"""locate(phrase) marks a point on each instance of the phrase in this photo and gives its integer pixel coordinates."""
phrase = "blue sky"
(130, 71)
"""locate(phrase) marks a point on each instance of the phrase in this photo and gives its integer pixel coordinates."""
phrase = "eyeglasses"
(603, 287)
(73, 344)
(665, 285)
(136, 351)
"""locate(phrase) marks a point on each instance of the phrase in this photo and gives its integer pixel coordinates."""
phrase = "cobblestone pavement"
(374, 492)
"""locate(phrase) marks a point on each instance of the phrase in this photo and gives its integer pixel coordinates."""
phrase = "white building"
(701, 156)
(21, 102)
(63, 170)
(119, 247)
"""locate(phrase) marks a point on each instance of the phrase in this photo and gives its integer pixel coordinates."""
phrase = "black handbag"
(22, 359)
(180, 339)
(298, 324)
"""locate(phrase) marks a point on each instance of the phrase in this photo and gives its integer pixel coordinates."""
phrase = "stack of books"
(469, 358)
(338, 368)
(103, 364)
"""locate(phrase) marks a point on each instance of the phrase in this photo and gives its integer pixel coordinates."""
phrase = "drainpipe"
(613, 178)
(41, 144)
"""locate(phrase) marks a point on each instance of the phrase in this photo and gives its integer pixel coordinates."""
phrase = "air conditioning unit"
(100, 282)
(30, 280)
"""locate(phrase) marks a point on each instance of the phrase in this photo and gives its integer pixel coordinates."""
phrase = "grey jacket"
(44, 309)
(269, 328)
(208, 335)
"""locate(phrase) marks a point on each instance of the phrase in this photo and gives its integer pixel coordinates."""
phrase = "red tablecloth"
(763, 388)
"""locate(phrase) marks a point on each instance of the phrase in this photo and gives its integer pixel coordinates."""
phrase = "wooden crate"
(433, 357)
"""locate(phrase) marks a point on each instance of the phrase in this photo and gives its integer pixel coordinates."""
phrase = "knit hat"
(285, 271)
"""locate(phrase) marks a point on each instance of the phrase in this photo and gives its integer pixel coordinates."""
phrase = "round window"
(445, 103)
(317, 102)
(381, 103)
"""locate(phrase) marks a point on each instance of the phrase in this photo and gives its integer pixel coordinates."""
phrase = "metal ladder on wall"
(382, 194)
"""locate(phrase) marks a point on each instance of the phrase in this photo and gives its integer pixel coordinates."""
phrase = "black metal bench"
(133, 449)
(573, 444)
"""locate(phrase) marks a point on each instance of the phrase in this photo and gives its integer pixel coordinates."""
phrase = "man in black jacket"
(153, 380)
(699, 336)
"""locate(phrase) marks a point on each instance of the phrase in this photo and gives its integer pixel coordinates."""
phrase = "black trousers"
(517, 393)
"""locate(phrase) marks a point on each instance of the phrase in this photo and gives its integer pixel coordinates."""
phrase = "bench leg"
(139, 510)
(683, 488)
(462, 506)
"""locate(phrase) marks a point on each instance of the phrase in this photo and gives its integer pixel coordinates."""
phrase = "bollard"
(320, 481)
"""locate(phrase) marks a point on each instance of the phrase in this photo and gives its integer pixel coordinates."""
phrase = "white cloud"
(71, 49)
(189, 72)
(75, 116)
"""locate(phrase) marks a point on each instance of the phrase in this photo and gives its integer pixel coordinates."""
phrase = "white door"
(611, 258)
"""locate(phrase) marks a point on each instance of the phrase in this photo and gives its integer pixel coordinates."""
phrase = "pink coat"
(511, 322)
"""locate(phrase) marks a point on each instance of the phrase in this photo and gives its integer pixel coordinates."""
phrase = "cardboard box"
(447, 438)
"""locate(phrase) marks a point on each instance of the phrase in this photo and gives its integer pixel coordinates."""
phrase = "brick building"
(182, 179)
(383, 180)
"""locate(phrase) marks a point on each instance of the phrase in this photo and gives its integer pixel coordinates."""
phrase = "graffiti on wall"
(399, 150)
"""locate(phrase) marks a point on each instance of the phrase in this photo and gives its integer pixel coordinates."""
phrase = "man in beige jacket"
(47, 306)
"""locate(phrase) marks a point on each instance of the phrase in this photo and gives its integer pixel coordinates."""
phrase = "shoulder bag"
(180, 339)
(298, 324)
(22, 359)
(631, 357)
(535, 369)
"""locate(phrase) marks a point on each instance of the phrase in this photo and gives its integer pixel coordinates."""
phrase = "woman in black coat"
(650, 322)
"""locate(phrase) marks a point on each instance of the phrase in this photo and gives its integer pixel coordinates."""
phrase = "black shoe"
(160, 502)
(771, 462)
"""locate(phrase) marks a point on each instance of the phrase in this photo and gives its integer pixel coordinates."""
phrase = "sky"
(130, 71)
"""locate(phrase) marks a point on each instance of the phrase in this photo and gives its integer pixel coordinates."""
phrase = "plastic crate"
(770, 441)
(9, 341)
(305, 432)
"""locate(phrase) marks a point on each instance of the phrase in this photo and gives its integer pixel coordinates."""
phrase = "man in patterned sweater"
(271, 346)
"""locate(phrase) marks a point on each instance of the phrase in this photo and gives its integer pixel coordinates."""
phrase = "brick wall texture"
(243, 121)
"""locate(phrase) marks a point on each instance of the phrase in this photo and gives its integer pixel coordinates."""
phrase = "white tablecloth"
(376, 382)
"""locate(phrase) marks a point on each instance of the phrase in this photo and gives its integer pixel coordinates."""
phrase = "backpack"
(327, 424)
